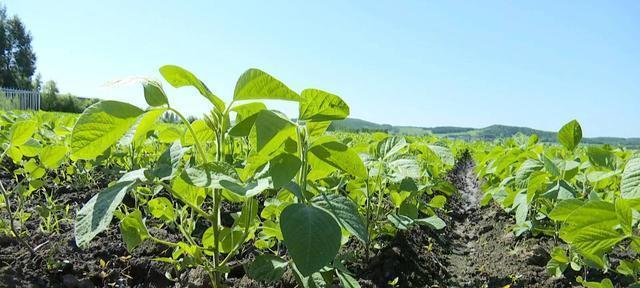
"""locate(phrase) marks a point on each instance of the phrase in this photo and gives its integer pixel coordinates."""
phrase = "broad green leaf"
(154, 94)
(21, 132)
(167, 166)
(390, 147)
(31, 148)
(433, 222)
(248, 189)
(438, 201)
(162, 208)
(317, 105)
(400, 221)
(444, 153)
(404, 168)
(550, 166)
(180, 77)
(345, 212)
(268, 268)
(256, 84)
(601, 157)
(52, 156)
(96, 214)
(188, 193)
(209, 175)
(138, 133)
(346, 280)
(570, 135)
(558, 262)
(246, 116)
(312, 237)
(203, 133)
(526, 169)
(338, 155)
(170, 134)
(630, 185)
(100, 126)
(283, 168)
(564, 209)
(272, 131)
(133, 230)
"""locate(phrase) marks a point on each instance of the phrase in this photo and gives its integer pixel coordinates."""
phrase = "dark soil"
(60, 263)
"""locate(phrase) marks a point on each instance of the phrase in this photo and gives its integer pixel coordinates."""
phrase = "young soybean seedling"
(104, 124)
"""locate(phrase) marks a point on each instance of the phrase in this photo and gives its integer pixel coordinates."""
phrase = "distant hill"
(488, 133)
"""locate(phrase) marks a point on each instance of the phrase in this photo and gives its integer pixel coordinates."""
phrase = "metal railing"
(22, 99)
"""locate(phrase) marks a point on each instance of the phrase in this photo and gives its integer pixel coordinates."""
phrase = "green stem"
(244, 234)
(163, 242)
(193, 133)
(5, 194)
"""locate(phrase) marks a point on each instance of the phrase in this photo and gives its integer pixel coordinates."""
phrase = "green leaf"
(272, 131)
(390, 147)
(601, 157)
(268, 268)
(564, 209)
(345, 212)
(154, 94)
(317, 105)
(256, 84)
(570, 135)
(346, 280)
(31, 148)
(444, 153)
(203, 132)
(138, 133)
(283, 168)
(630, 184)
(331, 151)
(100, 126)
(558, 262)
(180, 77)
(167, 166)
(400, 221)
(21, 132)
(133, 230)
(312, 236)
(246, 116)
(209, 175)
(433, 222)
(96, 214)
(162, 208)
(52, 156)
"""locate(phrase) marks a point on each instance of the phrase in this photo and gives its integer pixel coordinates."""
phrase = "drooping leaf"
(52, 156)
(100, 126)
(180, 77)
(570, 135)
(312, 236)
(338, 155)
(21, 132)
(272, 132)
(256, 84)
(133, 230)
(564, 208)
(96, 214)
(317, 105)
(345, 212)
(268, 268)
(283, 168)
(162, 208)
(246, 116)
(209, 175)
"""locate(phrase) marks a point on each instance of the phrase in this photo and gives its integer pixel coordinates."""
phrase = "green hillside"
(488, 133)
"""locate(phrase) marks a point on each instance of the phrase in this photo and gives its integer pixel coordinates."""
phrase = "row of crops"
(246, 192)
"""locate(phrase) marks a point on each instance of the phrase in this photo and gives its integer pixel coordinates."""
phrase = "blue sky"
(423, 63)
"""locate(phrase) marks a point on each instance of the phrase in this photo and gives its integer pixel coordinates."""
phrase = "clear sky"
(423, 63)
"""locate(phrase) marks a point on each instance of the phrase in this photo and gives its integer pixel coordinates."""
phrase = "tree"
(17, 58)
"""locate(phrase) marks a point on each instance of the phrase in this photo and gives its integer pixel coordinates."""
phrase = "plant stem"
(193, 133)
(5, 194)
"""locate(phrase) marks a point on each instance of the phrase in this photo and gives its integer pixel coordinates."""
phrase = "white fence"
(23, 99)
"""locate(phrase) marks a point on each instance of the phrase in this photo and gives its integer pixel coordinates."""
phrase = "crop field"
(244, 196)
